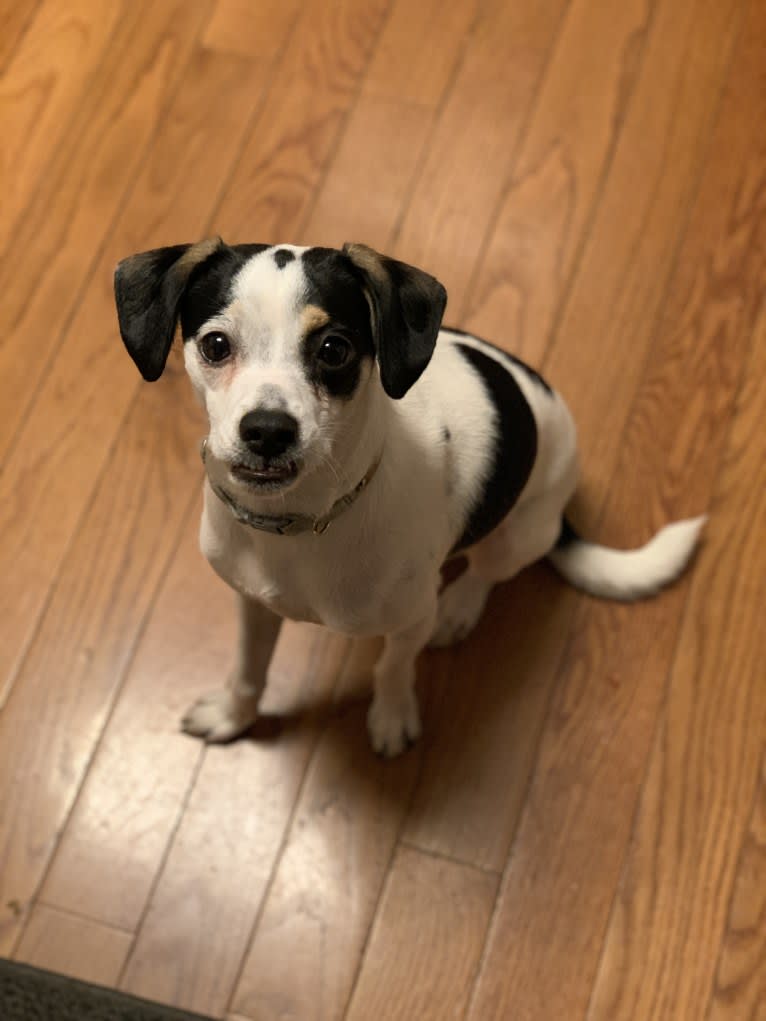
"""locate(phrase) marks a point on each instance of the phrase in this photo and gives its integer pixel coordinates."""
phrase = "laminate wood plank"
(50, 474)
(663, 938)
(59, 238)
(84, 644)
(15, 20)
(671, 907)
(250, 29)
(460, 825)
(223, 853)
(484, 724)
(418, 50)
(472, 148)
(40, 91)
(739, 992)
(570, 845)
(523, 271)
(622, 273)
(371, 174)
(74, 946)
(312, 931)
(133, 794)
(270, 195)
(426, 941)
(309, 938)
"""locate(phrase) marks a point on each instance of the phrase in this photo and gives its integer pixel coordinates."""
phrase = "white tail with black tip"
(627, 574)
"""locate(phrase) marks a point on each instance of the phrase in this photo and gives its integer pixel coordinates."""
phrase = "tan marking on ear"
(313, 318)
(198, 253)
(368, 260)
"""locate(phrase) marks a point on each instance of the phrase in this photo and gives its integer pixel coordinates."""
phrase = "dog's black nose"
(268, 433)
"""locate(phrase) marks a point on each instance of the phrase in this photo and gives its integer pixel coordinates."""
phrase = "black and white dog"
(354, 446)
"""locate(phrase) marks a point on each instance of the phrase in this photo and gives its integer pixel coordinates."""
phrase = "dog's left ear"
(407, 309)
(148, 289)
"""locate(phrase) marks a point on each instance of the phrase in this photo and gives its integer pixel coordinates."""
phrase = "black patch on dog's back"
(209, 287)
(282, 256)
(333, 285)
(515, 448)
(532, 373)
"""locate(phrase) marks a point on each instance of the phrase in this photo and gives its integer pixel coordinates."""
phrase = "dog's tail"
(626, 574)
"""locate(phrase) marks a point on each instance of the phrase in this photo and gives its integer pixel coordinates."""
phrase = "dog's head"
(281, 343)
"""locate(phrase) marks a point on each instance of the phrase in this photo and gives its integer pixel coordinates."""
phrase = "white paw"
(220, 717)
(393, 724)
(460, 606)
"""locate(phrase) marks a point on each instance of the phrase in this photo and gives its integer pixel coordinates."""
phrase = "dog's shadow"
(482, 705)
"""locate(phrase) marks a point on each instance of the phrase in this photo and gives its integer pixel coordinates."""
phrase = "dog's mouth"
(267, 475)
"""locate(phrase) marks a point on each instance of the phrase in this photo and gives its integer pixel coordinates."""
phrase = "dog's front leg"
(230, 711)
(393, 719)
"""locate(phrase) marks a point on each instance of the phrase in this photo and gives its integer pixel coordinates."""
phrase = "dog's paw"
(393, 724)
(220, 717)
(460, 606)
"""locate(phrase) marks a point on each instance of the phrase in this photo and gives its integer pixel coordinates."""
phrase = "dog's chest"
(354, 588)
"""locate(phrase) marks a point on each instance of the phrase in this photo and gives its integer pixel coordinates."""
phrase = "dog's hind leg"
(460, 606)
(528, 533)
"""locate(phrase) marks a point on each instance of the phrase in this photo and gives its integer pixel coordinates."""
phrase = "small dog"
(354, 447)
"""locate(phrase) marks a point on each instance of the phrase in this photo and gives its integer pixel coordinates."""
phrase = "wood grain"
(75, 946)
(474, 142)
(57, 243)
(485, 722)
(639, 220)
(44, 496)
(664, 934)
(426, 940)
(290, 144)
(327, 883)
(223, 853)
(523, 272)
(320, 906)
(75, 664)
(250, 29)
(740, 981)
(371, 174)
(15, 22)
(419, 49)
(569, 849)
(184, 652)
(44, 84)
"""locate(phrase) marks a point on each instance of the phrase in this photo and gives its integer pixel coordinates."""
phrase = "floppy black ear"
(148, 289)
(407, 309)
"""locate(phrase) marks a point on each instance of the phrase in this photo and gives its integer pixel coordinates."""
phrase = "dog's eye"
(215, 347)
(335, 352)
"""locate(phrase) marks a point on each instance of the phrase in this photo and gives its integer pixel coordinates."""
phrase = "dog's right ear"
(148, 288)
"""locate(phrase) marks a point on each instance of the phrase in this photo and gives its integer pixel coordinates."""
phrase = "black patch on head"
(515, 448)
(210, 285)
(282, 256)
(333, 286)
(532, 373)
(446, 434)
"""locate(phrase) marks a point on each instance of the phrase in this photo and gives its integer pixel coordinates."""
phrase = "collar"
(290, 524)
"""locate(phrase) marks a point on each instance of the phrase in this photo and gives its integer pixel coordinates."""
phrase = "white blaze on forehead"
(267, 301)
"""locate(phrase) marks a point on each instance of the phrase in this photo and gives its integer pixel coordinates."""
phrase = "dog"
(355, 445)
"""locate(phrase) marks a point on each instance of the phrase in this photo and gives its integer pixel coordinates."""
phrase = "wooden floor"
(581, 833)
